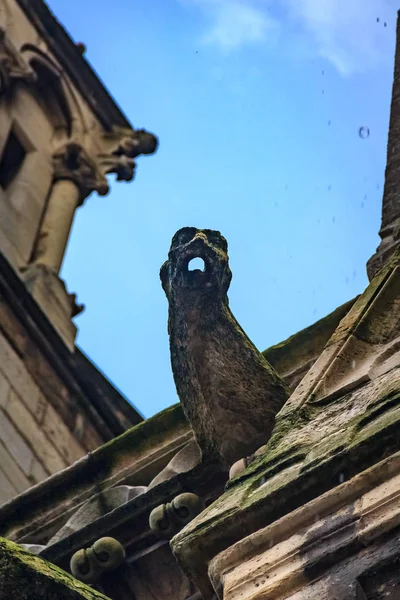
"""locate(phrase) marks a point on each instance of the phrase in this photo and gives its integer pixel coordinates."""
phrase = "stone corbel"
(167, 519)
(72, 162)
(87, 565)
(122, 147)
(12, 65)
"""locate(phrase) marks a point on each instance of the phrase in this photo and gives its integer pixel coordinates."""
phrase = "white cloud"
(344, 32)
(235, 23)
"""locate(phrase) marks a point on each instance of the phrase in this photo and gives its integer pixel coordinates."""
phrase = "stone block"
(38, 472)
(38, 441)
(51, 294)
(15, 371)
(15, 444)
(4, 390)
(7, 490)
(28, 577)
(13, 472)
(61, 436)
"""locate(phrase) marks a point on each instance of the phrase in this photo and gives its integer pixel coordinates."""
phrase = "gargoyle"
(229, 393)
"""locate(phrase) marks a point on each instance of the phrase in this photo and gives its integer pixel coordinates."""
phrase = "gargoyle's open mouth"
(196, 261)
(196, 269)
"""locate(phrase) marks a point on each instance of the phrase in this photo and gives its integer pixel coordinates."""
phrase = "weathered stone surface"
(137, 455)
(98, 506)
(45, 450)
(333, 547)
(28, 577)
(229, 392)
(12, 470)
(15, 444)
(183, 461)
(343, 418)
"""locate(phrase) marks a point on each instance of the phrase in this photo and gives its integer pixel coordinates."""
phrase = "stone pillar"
(390, 227)
(76, 175)
(57, 223)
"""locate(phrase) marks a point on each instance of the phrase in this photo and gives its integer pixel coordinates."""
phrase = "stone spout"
(229, 393)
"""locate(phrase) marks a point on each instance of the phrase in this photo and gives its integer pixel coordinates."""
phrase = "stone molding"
(273, 561)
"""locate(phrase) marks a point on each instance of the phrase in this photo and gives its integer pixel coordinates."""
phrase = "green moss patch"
(24, 576)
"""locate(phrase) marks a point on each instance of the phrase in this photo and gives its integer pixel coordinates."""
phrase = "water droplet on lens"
(363, 132)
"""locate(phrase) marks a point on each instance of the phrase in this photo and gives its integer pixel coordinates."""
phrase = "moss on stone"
(25, 576)
(144, 435)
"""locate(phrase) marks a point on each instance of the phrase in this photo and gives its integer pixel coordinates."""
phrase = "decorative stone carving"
(12, 66)
(128, 143)
(230, 394)
(107, 554)
(72, 162)
(167, 519)
(124, 148)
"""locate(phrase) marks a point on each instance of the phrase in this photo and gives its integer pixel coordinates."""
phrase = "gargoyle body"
(229, 393)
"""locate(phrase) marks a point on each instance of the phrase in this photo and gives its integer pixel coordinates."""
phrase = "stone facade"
(61, 134)
(158, 511)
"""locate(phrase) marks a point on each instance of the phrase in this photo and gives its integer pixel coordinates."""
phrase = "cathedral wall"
(34, 441)
(22, 200)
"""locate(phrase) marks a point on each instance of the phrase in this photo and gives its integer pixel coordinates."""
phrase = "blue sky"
(257, 105)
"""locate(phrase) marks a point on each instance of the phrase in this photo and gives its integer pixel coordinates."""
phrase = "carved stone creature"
(230, 394)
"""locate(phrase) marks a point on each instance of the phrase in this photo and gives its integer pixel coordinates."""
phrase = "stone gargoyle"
(229, 393)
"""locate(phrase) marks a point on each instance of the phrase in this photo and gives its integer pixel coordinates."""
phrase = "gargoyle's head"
(215, 276)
